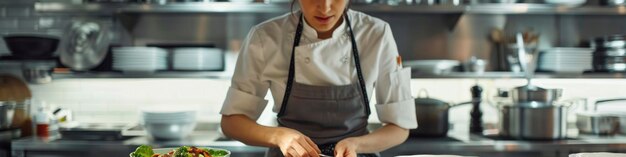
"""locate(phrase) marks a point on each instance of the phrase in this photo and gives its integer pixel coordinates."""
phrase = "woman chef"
(321, 64)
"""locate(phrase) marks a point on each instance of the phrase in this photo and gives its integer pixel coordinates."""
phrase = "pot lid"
(420, 100)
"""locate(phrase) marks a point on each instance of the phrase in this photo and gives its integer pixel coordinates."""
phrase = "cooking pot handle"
(419, 94)
(573, 103)
(595, 105)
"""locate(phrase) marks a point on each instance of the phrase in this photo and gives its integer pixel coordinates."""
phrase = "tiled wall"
(19, 17)
(119, 100)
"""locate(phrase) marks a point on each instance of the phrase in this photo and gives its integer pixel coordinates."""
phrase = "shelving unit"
(228, 7)
(158, 74)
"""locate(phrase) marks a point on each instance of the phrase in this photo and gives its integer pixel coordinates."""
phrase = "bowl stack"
(139, 59)
(566, 60)
(169, 123)
(198, 59)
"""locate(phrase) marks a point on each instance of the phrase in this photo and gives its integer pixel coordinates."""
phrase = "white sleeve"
(246, 93)
(393, 86)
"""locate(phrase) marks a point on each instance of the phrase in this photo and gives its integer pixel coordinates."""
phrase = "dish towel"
(600, 154)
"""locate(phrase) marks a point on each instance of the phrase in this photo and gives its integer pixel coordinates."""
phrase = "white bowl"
(169, 131)
(566, 2)
(432, 66)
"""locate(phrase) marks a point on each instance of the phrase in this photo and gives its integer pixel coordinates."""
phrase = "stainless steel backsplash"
(418, 35)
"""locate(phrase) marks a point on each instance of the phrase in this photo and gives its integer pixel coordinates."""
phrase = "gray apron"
(326, 114)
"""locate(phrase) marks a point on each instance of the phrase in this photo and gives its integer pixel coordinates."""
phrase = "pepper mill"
(476, 123)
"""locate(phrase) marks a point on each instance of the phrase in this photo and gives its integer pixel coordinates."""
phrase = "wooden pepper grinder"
(476, 123)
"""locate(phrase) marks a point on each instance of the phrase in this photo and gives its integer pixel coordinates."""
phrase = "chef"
(321, 64)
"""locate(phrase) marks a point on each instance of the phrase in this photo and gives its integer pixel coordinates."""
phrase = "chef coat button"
(307, 60)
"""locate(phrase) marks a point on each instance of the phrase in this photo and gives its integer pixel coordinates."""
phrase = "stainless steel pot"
(534, 120)
(599, 123)
(526, 94)
(7, 109)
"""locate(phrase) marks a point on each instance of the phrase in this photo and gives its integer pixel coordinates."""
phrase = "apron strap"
(355, 53)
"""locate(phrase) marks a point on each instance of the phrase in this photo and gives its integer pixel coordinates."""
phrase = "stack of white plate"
(566, 60)
(198, 59)
(169, 123)
(140, 59)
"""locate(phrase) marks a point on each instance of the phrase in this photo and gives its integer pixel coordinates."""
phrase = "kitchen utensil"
(432, 116)
(534, 120)
(7, 109)
(31, 46)
(609, 54)
(522, 57)
(85, 45)
(500, 62)
(324, 155)
(432, 66)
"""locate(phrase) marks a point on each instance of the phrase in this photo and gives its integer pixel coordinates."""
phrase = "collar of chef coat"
(310, 32)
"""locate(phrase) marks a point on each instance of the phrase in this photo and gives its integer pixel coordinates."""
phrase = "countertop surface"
(458, 140)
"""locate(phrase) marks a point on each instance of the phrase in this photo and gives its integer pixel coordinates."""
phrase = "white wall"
(119, 100)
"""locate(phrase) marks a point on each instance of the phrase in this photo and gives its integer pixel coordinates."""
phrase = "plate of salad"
(183, 151)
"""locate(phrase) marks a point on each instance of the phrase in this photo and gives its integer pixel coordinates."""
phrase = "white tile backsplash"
(119, 100)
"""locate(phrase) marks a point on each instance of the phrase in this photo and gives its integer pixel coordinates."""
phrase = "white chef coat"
(263, 64)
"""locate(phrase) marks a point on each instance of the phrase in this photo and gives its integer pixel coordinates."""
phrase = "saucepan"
(596, 122)
(432, 116)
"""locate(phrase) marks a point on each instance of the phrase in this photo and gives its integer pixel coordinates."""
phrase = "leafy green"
(142, 151)
(217, 152)
(182, 152)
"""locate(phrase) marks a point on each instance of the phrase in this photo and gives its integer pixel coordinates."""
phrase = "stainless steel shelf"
(158, 74)
(228, 7)
(505, 75)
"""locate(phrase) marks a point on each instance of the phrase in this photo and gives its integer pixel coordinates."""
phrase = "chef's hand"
(292, 143)
(346, 148)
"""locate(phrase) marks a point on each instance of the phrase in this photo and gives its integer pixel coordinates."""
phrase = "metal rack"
(228, 7)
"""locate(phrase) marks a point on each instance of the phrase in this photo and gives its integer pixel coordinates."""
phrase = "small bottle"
(42, 121)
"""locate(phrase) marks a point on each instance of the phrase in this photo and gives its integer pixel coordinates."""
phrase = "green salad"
(184, 151)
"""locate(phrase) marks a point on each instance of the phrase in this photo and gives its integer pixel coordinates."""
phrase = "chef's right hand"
(292, 143)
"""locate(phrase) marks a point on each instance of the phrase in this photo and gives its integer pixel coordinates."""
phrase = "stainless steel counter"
(458, 142)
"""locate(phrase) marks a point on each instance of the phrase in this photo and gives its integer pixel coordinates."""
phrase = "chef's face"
(323, 15)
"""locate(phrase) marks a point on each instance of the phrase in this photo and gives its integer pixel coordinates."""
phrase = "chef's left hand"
(346, 148)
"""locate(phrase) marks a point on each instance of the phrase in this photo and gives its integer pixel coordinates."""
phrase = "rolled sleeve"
(239, 102)
(399, 113)
(393, 86)
(248, 88)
